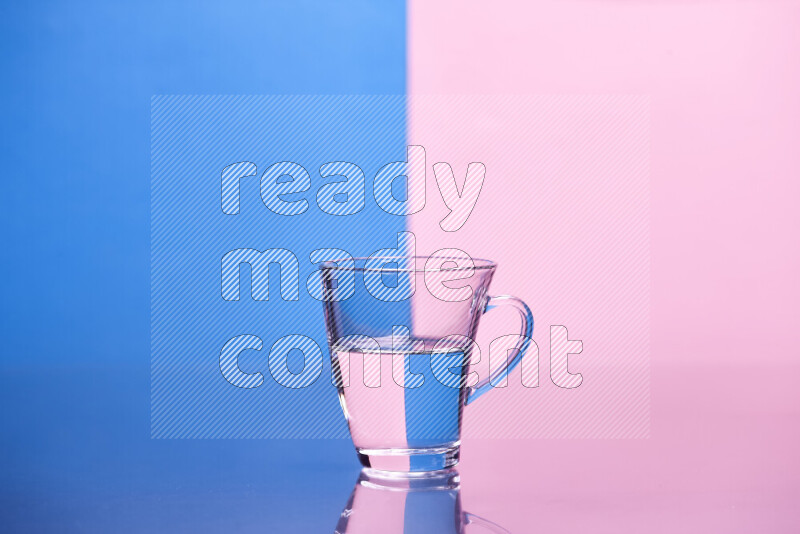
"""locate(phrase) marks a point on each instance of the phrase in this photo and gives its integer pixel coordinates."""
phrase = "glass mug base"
(420, 462)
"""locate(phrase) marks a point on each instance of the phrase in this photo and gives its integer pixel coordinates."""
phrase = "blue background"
(193, 139)
(77, 456)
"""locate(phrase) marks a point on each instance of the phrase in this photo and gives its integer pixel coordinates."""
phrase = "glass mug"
(394, 505)
(400, 333)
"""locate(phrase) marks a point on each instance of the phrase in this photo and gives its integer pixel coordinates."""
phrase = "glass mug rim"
(359, 264)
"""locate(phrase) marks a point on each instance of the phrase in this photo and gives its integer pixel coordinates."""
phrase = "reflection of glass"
(404, 505)
(400, 331)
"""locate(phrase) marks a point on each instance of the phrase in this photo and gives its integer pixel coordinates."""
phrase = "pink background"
(723, 81)
(564, 211)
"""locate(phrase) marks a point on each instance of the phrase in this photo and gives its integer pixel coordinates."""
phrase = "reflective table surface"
(721, 458)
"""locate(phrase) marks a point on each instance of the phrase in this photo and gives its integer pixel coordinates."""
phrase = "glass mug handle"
(519, 350)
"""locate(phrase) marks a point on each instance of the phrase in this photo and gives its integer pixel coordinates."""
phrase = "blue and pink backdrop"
(641, 176)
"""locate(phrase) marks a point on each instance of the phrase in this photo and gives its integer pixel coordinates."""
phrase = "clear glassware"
(392, 505)
(399, 333)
